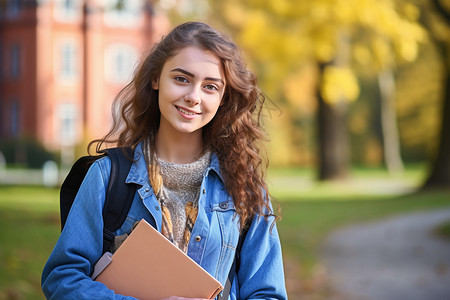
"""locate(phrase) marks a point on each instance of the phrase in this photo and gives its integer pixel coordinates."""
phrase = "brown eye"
(181, 79)
(211, 87)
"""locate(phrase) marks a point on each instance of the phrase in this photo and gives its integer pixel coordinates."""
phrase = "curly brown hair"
(235, 134)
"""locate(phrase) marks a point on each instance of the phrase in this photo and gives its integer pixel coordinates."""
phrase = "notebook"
(148, 266)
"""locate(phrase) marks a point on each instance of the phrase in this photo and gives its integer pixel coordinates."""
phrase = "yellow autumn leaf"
(339, 84)
(235, 15)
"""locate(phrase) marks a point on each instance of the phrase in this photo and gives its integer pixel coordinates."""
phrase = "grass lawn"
(29, 228)
(29, 225)
(444, 230)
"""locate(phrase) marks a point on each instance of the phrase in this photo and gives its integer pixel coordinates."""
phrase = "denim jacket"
(212, 245)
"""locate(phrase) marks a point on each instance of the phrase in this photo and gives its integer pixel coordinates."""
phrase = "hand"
(183, 298)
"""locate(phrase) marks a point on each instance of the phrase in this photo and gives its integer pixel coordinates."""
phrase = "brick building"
(62, 63)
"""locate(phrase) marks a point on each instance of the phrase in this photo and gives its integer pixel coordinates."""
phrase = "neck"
(179, 148)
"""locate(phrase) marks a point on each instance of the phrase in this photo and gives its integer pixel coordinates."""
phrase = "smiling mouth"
(189, 113)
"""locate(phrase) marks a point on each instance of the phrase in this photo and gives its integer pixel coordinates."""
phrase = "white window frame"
(67, 11)
(67, 117)
(120, 62)
(67, 53)
(129, 16)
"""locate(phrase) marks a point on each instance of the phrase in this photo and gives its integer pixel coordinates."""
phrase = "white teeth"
(186, 112)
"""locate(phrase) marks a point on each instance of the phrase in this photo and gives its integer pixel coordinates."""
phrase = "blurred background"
(357, 108)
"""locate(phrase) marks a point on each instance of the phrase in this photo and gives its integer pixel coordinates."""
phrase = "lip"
(186, 113)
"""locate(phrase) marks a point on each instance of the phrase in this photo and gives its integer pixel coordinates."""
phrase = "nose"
(193, 96)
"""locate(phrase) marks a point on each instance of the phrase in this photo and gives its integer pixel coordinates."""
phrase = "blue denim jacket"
(212, 244)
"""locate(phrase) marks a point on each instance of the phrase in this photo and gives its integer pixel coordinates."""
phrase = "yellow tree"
(282, 36)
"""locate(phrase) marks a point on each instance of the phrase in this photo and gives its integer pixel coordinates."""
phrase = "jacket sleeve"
(67, 272)
(261, 274)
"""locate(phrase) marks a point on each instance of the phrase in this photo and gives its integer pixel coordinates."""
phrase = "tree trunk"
(391, 144)
(440, 173)
(332, 138)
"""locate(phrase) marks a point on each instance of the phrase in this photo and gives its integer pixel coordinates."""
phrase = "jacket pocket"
(225, 212)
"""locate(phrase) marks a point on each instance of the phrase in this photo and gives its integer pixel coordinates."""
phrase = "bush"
(25, 152)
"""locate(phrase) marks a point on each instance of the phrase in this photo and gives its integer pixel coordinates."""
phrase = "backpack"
(119, 197)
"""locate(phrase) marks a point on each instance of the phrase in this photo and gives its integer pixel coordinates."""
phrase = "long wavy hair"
(234, 134)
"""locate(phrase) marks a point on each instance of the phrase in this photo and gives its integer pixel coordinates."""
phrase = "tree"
(281, 36)
(440, 170)
(391, 141)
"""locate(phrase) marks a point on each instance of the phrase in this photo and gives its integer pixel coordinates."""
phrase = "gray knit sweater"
(181, 184)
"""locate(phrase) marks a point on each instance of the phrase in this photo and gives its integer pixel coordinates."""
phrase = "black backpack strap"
(236, 262)
(119, 196)
(71, 184)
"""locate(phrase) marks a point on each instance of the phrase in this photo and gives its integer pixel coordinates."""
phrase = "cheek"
(214, 102)
(165, 95)
(213, 107)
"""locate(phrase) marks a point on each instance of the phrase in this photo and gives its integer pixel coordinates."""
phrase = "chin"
(187, 130)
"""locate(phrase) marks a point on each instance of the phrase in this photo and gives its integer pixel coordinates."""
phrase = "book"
(148, 266)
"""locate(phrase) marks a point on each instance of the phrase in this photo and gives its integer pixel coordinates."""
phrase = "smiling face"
(191, 87)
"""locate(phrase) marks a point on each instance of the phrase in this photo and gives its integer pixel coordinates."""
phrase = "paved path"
(394, 259)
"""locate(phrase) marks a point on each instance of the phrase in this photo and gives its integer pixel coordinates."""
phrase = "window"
(15, 61)
(68, 61)
(14, 125)
(67, 10)
(12, 8)
(120, 60)
(122, 13)
(67, 118)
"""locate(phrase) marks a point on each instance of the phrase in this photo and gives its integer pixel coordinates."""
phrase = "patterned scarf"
(190, 207)
(167, 226)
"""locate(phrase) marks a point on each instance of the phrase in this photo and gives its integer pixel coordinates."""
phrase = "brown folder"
(148, 266)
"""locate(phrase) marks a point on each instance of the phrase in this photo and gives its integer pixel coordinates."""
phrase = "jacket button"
(204, 191)
(223, 205)
(157, 207)
(198, 238)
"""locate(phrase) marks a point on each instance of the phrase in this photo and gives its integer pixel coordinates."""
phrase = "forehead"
(196, 60)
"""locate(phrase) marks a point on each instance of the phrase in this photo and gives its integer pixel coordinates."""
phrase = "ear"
(155, 85)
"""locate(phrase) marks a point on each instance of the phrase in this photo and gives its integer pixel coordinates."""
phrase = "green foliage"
(25, 152)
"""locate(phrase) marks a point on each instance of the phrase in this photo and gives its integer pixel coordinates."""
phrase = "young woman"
(192, 116)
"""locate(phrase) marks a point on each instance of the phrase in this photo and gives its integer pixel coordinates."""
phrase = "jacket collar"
(139, 175)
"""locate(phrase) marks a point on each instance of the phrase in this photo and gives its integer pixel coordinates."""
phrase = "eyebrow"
(193, 76)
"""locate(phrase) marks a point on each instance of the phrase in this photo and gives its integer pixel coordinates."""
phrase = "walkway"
(394, 259)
